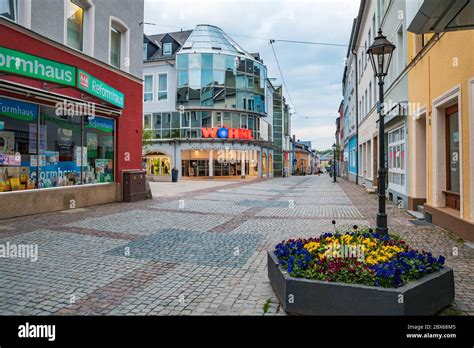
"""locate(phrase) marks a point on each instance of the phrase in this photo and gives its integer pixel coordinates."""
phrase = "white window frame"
(151, 120)
(88, 26)
(158, 87)
(167, 44)
(152, 88)
(120, 25)
(393, 167)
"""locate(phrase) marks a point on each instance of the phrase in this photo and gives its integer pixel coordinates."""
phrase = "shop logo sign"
(84, 80)
(99, 89)
(18, 110)
(24, 64)
(227, 133)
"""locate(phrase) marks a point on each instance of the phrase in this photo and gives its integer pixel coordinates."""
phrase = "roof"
(206, 38)
(179, 36)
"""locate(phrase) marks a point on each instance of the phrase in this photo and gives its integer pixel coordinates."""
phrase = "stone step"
(421, 209)
(416, 214)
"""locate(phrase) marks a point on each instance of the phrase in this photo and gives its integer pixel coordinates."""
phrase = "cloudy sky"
(313, 73)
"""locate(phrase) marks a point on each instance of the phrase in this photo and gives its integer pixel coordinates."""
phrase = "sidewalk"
(431, 238)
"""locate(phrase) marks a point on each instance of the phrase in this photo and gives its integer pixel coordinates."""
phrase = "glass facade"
(220, 81)
(39, 149)
(186, 125)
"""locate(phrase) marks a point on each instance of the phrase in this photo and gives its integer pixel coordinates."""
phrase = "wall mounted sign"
(101, 90)
(18, 109)
(35, 67)
(227, 133)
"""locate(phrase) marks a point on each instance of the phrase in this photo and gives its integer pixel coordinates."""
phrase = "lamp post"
(334, 162)
(380, 53)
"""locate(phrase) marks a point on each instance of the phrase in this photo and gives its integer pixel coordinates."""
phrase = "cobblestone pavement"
(199, 252)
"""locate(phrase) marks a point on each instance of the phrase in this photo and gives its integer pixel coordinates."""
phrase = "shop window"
(148, 88)
(162, 86)
(158, 165)
(115, 47)
(99, 140)
(60, 163)
(18, 145)
(75, 25)
(69, 150)
(7, 9)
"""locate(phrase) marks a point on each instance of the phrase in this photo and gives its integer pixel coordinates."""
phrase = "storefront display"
(71, 150)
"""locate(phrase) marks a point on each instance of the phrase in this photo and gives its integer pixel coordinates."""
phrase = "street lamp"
(380, 53)
(334, 161)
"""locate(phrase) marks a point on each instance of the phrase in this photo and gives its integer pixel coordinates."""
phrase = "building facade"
(70, 105)
(441, 101)
(350, 112)
(213, 115)
(281, 133)
(395, 107)
(366, 25)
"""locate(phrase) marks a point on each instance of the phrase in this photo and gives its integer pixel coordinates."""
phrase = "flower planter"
(424, 296)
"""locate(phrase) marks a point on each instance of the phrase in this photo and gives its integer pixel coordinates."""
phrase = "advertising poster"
(78, 153)
(32, 138)
(64, 141)
(103, 169)
(7, 142)
(92, 143)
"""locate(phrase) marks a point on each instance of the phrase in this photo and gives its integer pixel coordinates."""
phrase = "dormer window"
(167, 49)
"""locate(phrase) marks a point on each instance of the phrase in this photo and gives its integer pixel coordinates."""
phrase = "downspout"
(357, 116)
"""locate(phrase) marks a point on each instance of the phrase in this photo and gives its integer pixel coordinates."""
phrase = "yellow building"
(441, 127)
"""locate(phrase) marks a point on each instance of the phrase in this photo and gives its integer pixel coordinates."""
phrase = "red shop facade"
(70, 125)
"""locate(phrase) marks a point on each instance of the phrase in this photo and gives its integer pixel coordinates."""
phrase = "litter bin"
(174, 175)
(134, 186)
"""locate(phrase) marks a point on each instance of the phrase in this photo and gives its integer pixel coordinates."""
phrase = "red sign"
(84, 80)
(227, 133)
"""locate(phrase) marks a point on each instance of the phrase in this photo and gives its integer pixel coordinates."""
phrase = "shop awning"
(434, 16)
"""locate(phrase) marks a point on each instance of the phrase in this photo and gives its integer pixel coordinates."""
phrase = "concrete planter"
(425, 296)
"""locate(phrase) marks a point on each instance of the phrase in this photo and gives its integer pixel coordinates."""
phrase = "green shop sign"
(35, 67)
(97, 88)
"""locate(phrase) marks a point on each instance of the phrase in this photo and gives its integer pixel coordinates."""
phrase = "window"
(148, 88)
(396, 157)
(147, 121)
(162, 86)
(370, 95)
(167, 48)
(75, 25)
(452, 149)
(7, 9)
(145, 51)
(115, 47)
